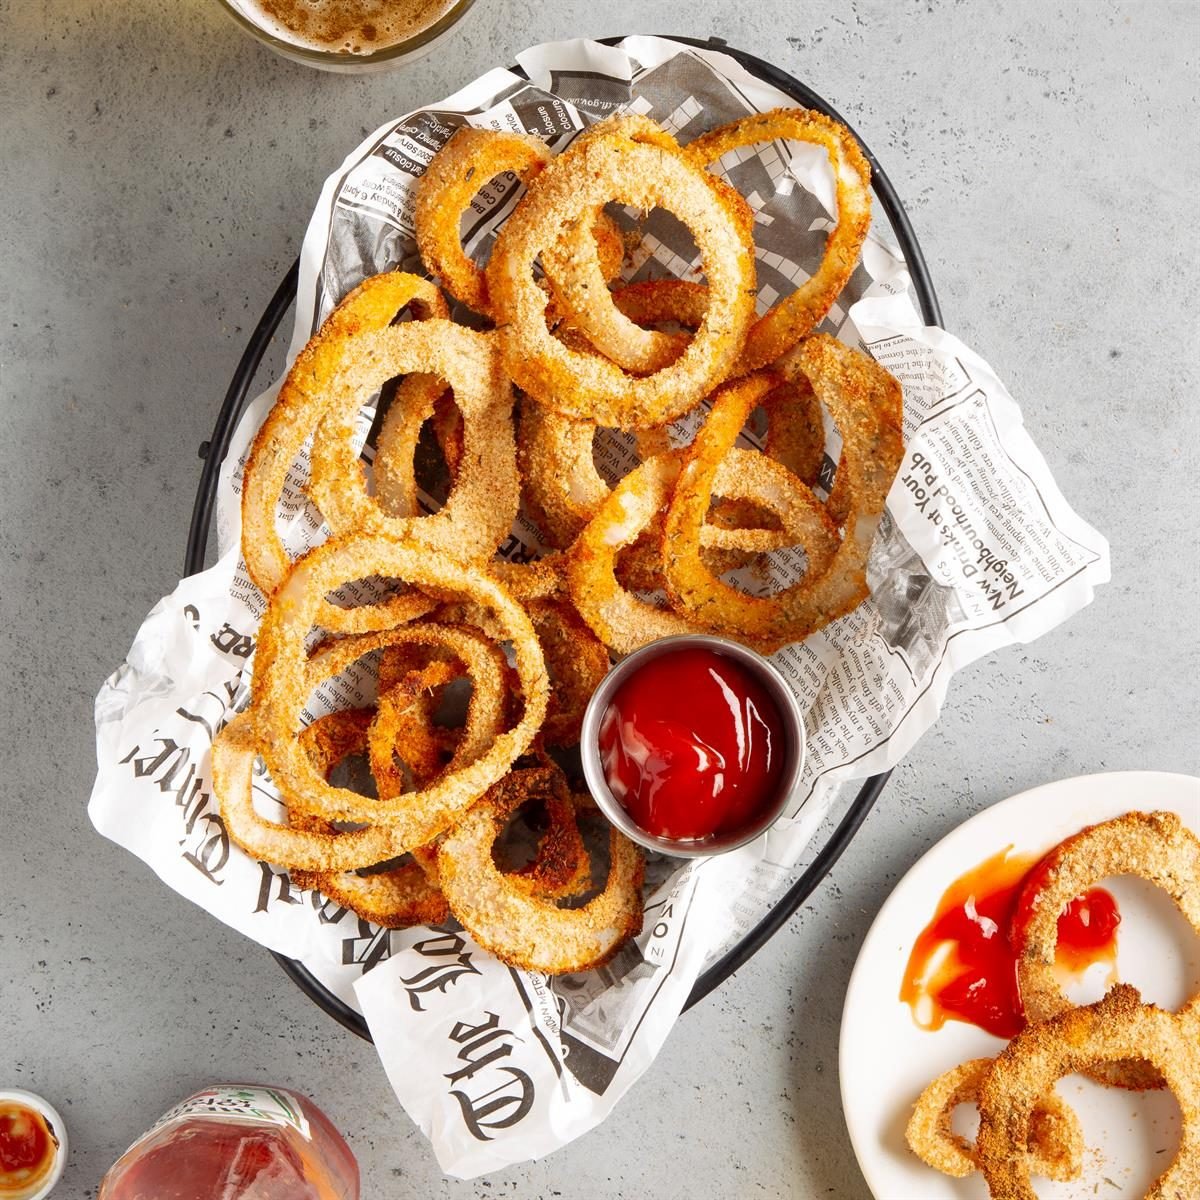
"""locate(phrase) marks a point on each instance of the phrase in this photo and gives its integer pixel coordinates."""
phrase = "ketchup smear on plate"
(692, 745)
(963, 966)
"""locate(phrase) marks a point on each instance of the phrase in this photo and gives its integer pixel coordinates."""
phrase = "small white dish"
(886, 1060)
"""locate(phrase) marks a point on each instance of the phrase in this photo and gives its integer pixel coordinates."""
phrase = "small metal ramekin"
(793, 726)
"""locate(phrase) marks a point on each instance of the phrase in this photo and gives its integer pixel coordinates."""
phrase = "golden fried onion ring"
(865, 401)
(303, 400)
(482, 504)
(1055, 1138)
(283, 679)
(444, 192)
(1156, 846)
(588, 387)
(778, 330)
(395, 898)
(396, 445)
(1116, 1029)
(518, 928)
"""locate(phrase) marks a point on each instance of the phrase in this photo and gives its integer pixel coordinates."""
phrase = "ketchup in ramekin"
(693, 745)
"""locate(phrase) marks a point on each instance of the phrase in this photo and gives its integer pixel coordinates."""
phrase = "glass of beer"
(348, 35)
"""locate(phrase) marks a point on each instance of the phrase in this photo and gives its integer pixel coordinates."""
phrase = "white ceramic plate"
(886, 1059)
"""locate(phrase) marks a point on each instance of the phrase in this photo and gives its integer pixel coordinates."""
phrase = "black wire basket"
(213, 453)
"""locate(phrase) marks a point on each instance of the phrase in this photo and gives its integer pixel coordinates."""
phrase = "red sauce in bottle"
(27, 1148)
(692, 744)
(963, 966)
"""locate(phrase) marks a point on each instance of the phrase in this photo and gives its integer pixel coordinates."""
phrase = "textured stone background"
(159, 171)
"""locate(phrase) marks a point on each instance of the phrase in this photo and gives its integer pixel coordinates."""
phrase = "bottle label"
(244, 1105)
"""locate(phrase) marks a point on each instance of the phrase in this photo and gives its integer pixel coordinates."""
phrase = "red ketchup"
(692, 744)
(27, 1149)
(963, 966)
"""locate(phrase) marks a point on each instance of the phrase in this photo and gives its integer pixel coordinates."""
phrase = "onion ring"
(563, 489)
(1055, 1138)
(396, 445)
(520, 929)
(1116, 1029)
(577, 662)
(482, 505)
(444, 192)
(1156, 846)
(797, 314)
(395, 898)
(282, 680)
(691, 585)
(303, 399)
(865, 402)
(605, 168)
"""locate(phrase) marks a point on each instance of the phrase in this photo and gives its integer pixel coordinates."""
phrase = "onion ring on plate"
(1156, 846)
(395, 898)
(482, 504)
(1116, 1029)
(283, 679)
(1055, 1137)
(303, 400)
(797, 314)
(523, 930)
(865, 401)
(584, 386)
(444, 192)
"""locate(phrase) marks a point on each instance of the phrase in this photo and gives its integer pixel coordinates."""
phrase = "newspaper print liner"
(978, 550)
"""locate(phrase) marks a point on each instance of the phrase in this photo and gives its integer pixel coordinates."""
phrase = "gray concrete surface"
(158, 172)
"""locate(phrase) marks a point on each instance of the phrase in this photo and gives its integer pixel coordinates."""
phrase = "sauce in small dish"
(693, 745)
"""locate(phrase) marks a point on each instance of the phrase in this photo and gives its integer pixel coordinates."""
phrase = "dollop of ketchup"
(27, 1148)
(692, 744)
(963, 966)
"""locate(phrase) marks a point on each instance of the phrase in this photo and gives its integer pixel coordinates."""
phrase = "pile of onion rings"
(1024, 1128)
(415, 584)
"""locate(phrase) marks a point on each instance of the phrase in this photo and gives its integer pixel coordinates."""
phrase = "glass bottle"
(237, 1142)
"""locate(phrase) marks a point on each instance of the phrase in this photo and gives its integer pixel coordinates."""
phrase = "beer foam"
(345, 26)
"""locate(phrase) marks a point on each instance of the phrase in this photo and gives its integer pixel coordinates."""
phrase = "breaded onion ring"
(444, 192)
(1156, 846)
(693, 587)
(588, 387)
(520, 929)
(621, 620)
(1055, 1138)
(282, 681)
(482, 504)
(577, 662)
(396, 898)
(563, 489)
(1116, 1029)
(778, 330)
(303, 399)
(865, 402)
(396, 445)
